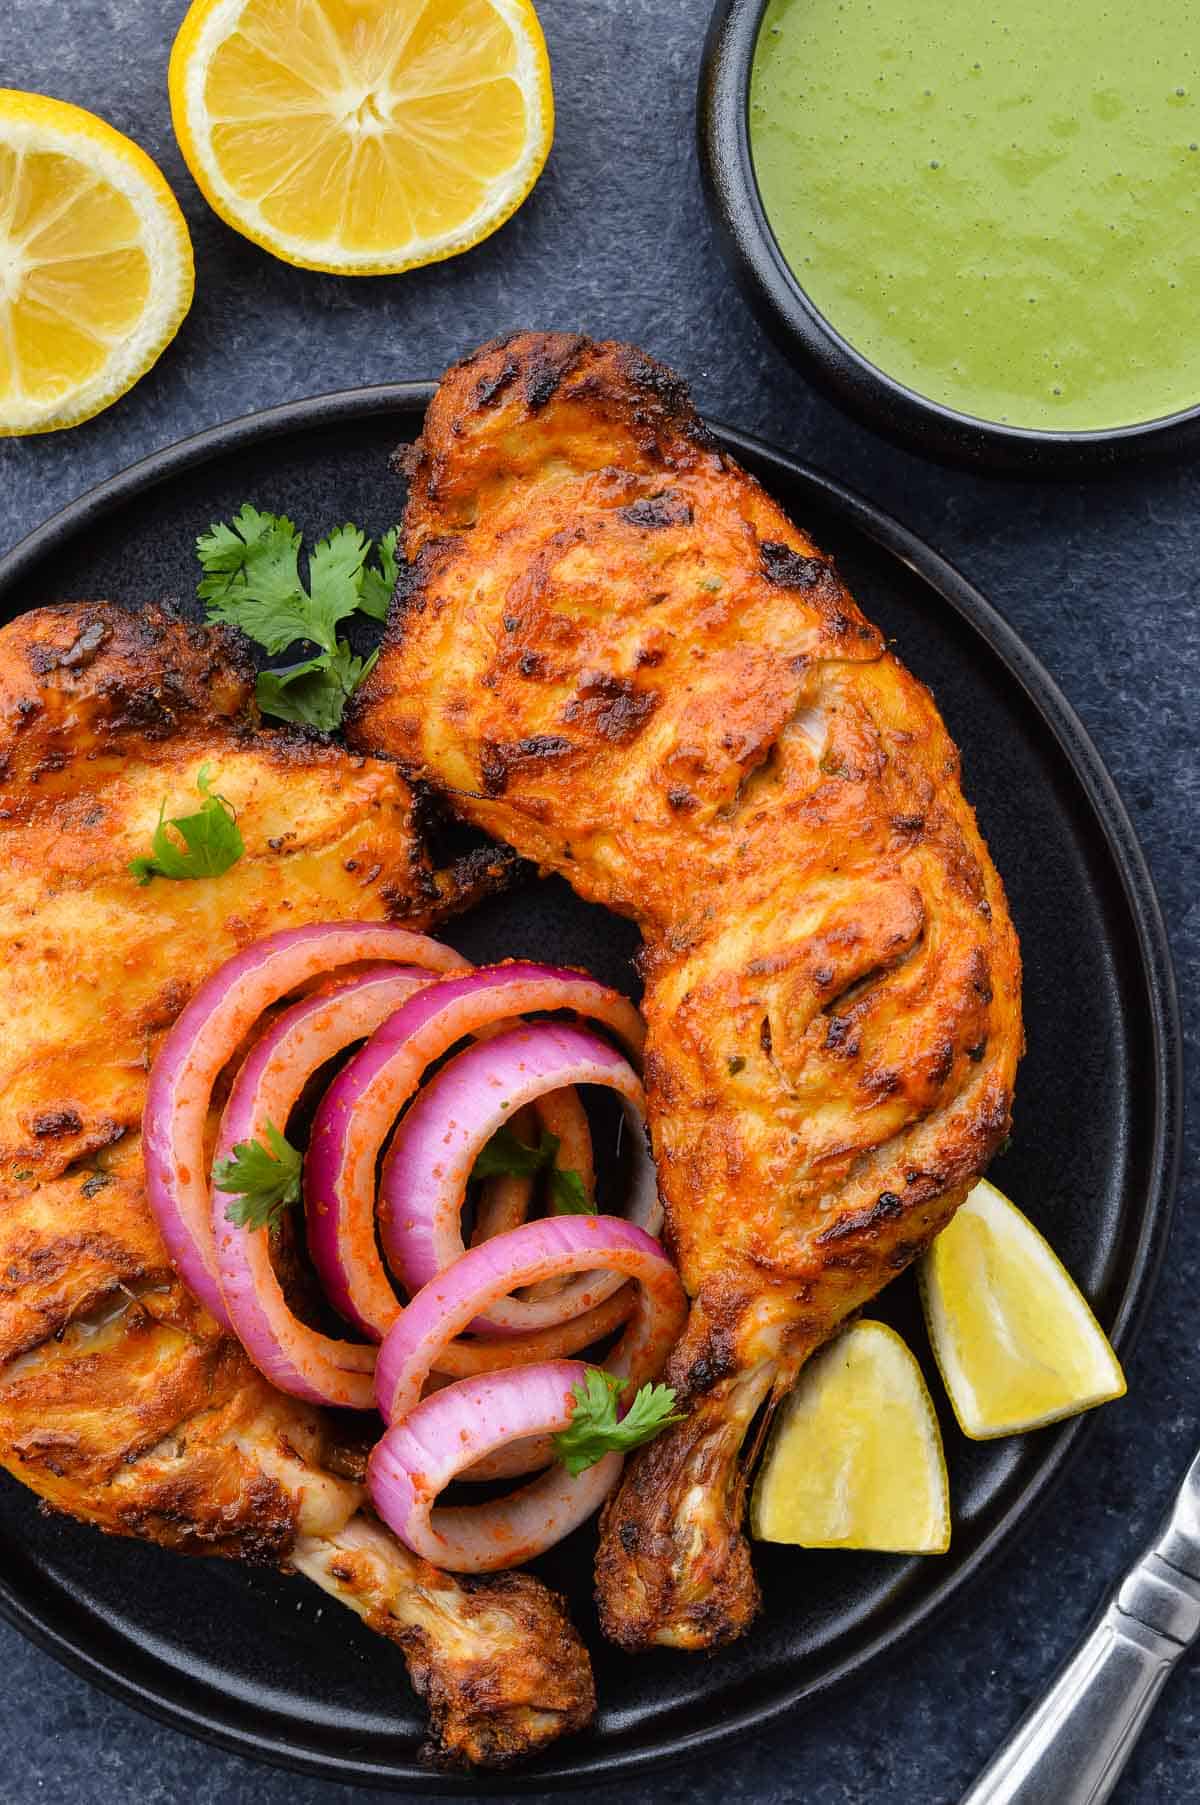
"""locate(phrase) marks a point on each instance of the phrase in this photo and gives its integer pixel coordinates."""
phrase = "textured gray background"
(1100, 580)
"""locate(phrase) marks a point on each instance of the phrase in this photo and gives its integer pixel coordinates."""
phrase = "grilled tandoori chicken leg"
(615, 652)
(121, 1402)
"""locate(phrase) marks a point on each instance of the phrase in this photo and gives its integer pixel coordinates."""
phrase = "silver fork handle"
(1071, 1747)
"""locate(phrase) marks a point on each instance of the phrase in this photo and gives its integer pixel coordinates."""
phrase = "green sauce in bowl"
(995, 201)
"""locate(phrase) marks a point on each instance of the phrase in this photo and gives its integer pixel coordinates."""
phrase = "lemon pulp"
(855, 1457)
(362, 135)
(95, 263)
(1017, 1343)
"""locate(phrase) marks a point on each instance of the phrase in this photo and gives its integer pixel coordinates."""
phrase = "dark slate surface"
(1101, 581)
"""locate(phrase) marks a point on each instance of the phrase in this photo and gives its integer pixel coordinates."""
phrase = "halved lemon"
(855, 1457)
(1015, 1339)
(363, 137)
(95, 264)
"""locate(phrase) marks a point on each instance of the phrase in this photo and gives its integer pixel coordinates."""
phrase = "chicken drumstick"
(121, 1401)
(612, 650)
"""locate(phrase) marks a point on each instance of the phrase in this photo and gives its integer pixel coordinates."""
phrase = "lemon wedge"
(855, 1457)
(1015, 1339)
(95, 264)
(362, 137)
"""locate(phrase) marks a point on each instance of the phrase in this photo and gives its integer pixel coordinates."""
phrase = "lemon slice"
(1014, 1337)
(363, 137)
(95, 264)
(855, 1458)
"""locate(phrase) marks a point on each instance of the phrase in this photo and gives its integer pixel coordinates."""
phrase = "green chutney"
(995, 201)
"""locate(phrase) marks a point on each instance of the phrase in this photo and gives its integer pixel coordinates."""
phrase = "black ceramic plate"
(269, 1666)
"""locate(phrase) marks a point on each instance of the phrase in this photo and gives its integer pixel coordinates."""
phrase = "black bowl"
(723, 119)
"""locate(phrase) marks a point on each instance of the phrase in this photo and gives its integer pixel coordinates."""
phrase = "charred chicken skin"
(121, 1401)
(613, 651)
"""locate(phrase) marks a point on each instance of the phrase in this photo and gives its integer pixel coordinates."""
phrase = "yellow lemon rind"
(39, 122)
(205, 27)
(958, 1385)
(891, 1348)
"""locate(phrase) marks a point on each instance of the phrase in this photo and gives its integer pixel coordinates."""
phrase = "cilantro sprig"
(595, 1428)
(379, 582)
(212, 840)
(261, 1182)
(252, 580)
(505, 1155)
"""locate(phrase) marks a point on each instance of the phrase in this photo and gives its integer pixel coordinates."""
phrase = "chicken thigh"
(612, 650)
(121, 1401)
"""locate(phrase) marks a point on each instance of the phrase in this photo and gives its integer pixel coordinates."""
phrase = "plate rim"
(1077, 750)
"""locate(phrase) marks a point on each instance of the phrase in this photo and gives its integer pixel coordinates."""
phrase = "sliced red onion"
(360, 1106)
(503, 1423)
(294, 1357)
(537, 1250)
(466, 1359)
(463, 1424)
(206, 1036)
(426, 1171)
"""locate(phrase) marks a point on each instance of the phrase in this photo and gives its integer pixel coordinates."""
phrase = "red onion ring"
(427, 1168)
(537, 1250)
(360, 1106)
(466, 1359)
(462, 1424)
(294, 1357)
(457, 1438)
(201, 1042)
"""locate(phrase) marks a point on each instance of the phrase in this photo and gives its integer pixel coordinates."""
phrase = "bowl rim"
(854, 380)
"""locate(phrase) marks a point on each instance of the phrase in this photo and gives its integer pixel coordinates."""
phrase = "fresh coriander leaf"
(212, 840)
(505, 1156)
(308, 693)
(350, 668)
(335, 569)
(269, 541)
(252, 579)
(315, 691)
(378, 586)
(595, 1429)
(567, 1195)
(261, 1182)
